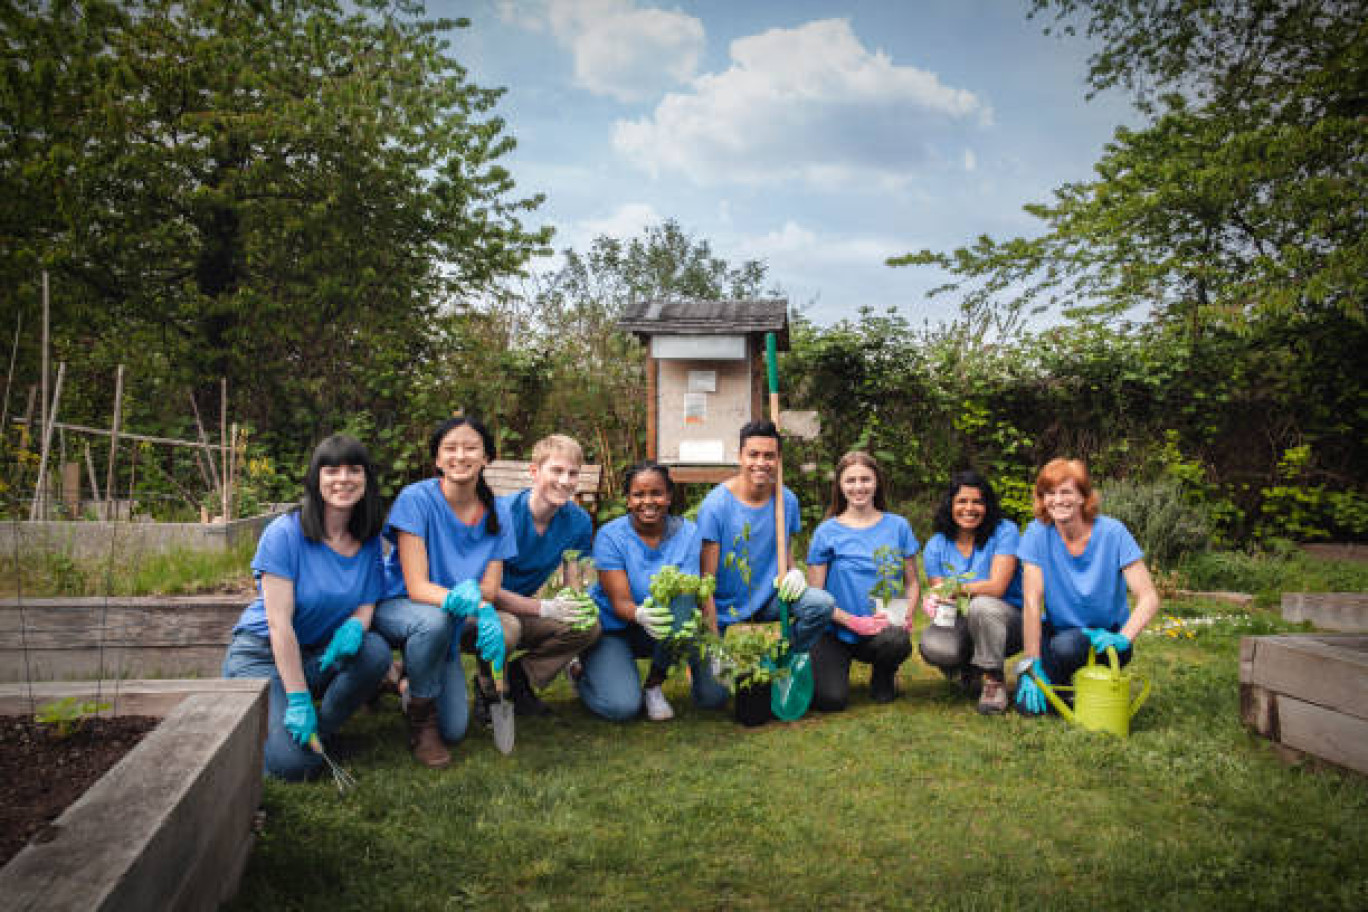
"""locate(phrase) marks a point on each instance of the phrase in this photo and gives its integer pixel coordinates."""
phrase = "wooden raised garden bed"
(1308, 693)
(1346, 612)
(56, 639)
(170, 826)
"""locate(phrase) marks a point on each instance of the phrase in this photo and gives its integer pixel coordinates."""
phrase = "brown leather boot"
(424, 738)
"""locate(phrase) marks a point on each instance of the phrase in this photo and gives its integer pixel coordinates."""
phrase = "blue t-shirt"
(538, 557)
(943, 558)
(328, 587)
(618, 547)
(747, 532)
(1085, 591)
(852, 570)
(455, 552)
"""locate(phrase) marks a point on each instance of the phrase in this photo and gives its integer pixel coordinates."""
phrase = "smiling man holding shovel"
(737, 522)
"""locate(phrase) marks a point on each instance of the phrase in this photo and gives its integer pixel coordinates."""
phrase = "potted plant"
(749, 658)
(947, 601)
(887, 591)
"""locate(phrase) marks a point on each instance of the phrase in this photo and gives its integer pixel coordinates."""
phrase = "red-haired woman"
(1077, 567)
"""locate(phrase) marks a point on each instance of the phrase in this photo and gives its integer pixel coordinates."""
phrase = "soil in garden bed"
(42, 774)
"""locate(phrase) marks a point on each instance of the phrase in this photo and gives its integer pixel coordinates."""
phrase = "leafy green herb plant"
(63, 717)
(888, 564)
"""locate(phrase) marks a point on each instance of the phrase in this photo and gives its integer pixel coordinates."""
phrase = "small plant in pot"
(888, 589)
(947, 600)
(749, 657)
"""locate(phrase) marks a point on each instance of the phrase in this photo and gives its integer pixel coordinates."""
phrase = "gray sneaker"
(993, 700)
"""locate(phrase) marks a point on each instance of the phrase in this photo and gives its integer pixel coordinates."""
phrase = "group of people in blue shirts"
(465, 571)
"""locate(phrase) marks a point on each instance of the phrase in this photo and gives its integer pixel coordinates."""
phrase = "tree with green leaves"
(1242, 197)
(282, 192)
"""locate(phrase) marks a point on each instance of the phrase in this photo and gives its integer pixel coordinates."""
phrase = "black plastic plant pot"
(752, 703)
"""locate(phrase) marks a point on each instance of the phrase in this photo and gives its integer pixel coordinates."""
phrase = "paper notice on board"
(702, 451)
(695, 408)
(702, 381)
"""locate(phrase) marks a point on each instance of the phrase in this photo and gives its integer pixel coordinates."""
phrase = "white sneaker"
(574, 670)
(657, 707)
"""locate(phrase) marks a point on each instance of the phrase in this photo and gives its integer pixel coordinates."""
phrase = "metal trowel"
(501, 714)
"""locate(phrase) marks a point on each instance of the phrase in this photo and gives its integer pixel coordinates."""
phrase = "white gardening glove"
(791, 585)
(655, 619)
(560, 609)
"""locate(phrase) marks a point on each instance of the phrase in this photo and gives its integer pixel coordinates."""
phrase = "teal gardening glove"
(346, 640)
(300, 720)
(463, 599)
(1101, 639)
(1029, 696)
(489, 638)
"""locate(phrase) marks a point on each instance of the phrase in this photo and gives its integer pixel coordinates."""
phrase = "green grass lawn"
(919, 804)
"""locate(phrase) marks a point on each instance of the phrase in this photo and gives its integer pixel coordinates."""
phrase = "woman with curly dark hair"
(974, 549)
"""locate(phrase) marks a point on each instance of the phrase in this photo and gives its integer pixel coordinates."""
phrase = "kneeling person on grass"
(737, 524)
(1077, 566)
(547, 523)
(318, 576)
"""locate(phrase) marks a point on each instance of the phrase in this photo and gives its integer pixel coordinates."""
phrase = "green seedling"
(952, 587)
(888, 563)
(739, 559)
(65, 716)
(752, 656)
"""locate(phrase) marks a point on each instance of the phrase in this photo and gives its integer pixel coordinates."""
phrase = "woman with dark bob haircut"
(450, 540)
(318, 573)
(974, 548)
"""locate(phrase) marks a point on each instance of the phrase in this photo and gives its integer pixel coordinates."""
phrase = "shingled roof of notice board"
(692, 316)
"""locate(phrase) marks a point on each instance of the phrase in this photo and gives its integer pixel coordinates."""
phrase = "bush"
(1166, 524)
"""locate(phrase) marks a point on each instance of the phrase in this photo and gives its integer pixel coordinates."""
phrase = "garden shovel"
(501, 714)
(791, 694)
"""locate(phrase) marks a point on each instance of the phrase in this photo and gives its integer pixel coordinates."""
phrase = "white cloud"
(620, 50)
(628, 220)
(810, 104)
(970, 160)
(795, 246)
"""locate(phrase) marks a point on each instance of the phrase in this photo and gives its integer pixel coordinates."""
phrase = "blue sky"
(818, 136)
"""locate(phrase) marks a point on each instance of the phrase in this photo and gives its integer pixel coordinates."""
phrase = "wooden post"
(233, 464)
(223, 442)
(71, 489)
(90, 470)
(652, 405)
(40, 501)
(43, 401)
(110, 489)
(9, 377)
(28, 413)
(204, 439)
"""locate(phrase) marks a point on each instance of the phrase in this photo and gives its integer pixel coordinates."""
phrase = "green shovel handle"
(772, 363)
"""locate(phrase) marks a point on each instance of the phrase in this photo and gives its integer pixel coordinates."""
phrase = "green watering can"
(1102, 696)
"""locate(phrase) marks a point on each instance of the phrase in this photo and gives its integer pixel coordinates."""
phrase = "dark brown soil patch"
(42, 774)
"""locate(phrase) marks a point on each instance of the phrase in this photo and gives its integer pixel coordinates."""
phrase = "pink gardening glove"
(866, 626)
(929, 605)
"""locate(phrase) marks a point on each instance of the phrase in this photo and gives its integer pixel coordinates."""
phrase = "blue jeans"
(1062, 652)
(808, 617)
(424, 632)
(611, 684)
(340, 691)
(453, 712)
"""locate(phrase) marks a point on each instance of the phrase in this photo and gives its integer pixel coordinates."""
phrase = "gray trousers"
(984, 640)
